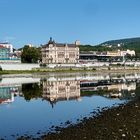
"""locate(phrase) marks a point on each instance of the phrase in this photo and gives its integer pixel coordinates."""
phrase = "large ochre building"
(60, 53)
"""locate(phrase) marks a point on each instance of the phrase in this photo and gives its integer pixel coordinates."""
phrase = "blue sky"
(90, 21)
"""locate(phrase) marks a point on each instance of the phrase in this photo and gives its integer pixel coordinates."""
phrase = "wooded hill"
(131, 43)
(122, 41)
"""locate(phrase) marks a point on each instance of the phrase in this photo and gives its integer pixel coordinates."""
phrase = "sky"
(90, 21)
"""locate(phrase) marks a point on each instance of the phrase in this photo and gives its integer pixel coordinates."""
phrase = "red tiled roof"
(2, 46)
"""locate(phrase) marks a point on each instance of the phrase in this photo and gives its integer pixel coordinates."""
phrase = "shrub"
(118, 64)
(43, 65)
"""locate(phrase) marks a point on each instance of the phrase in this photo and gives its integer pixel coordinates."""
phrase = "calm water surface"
(35, 104)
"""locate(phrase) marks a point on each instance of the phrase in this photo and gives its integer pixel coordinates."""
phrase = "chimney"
(77, 42)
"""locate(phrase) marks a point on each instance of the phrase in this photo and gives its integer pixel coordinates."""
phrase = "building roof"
(2, 47)
(71, 45)
(58, 44)
(64, 44)
(51, 41)
(4, 43)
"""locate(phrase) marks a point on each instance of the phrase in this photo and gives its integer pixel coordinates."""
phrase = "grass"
(17, 71)
(39, 71)
(45, 70)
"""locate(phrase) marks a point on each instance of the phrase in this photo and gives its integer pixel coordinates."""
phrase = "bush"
(43, 65)
(118, 64)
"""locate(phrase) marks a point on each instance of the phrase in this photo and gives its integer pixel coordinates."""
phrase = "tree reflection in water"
(31, 91)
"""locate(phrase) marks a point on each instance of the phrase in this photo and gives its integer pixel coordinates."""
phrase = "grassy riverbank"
(95, 69)
(17, 72)
(38, 71)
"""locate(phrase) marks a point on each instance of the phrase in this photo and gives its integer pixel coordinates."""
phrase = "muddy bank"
(122, 122)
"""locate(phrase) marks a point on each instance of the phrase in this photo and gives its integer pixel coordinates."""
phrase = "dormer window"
(50, 45)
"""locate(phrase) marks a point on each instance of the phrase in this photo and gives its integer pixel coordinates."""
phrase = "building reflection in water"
(7, 94)
(59, 89)
(54, 91)
(110, 89)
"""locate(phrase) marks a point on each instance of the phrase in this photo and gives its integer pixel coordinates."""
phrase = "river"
(36, 104)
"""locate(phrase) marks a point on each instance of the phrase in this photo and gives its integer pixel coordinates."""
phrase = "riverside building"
(60, 53)
(4, 53)
(7, 55)
(8, 46)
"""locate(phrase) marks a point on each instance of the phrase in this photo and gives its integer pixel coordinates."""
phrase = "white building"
(7, 45)
(121, 53)
(129, 52)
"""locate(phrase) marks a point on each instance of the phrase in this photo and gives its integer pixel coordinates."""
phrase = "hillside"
(130, 43)
(122, 41)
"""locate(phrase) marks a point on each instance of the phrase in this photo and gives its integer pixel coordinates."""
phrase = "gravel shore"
(119, 123)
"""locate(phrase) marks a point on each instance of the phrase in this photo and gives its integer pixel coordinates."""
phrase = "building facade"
(4, 53)
(8, 46)
(105, 56)
(60, 53)
(7, 55)
(121, 53)
(128, 52)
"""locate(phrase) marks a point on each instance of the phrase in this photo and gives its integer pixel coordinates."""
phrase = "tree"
(30, 54)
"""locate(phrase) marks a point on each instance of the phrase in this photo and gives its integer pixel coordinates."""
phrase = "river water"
(35, 104)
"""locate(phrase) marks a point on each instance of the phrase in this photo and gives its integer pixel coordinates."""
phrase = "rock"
(123, 135)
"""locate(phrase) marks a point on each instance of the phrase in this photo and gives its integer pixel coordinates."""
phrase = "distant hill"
(122, 41)
(129, 43)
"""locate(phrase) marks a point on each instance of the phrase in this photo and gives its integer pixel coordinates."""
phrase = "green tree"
(30, 54)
